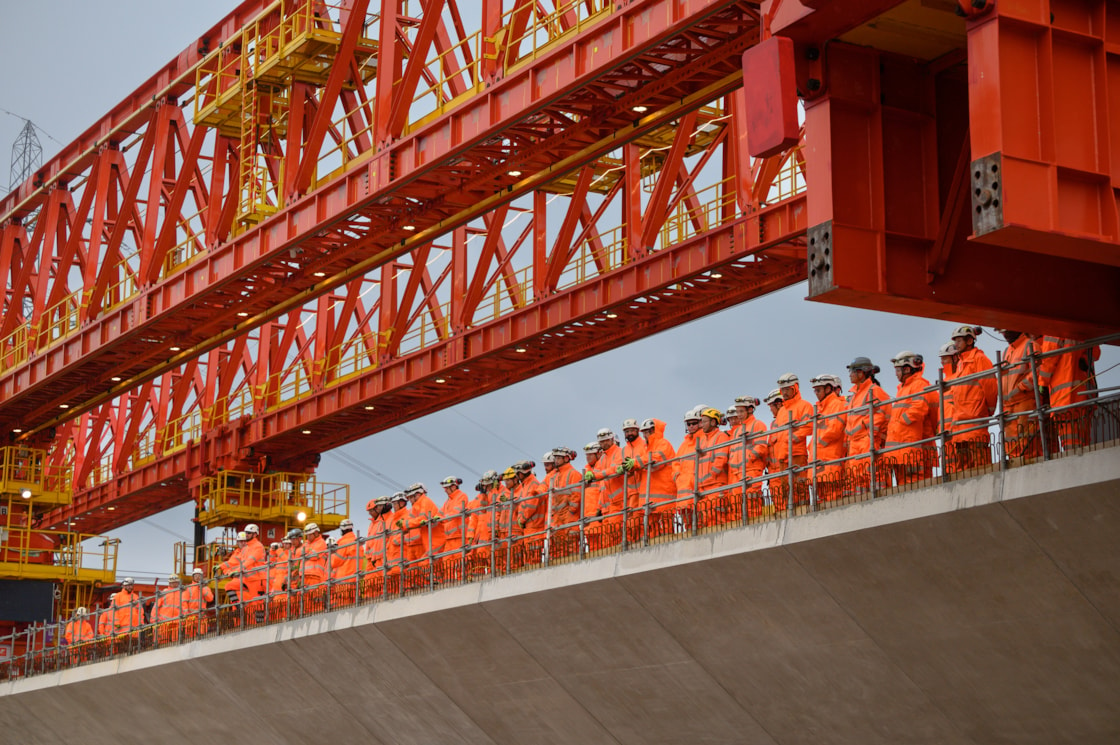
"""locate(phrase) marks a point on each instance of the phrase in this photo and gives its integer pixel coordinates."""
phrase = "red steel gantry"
(324, 218)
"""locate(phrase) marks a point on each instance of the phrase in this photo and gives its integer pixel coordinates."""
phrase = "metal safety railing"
(767, 475)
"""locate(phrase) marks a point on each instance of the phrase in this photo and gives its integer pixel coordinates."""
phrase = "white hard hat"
(252, 528)
(128, 581)
(747, 401)
(347, 523)
(774, 396)
(692, 415)
(274, 546)
(787, 380)
(604, 434)
(415, 489)
(549, 457)
(311, 528)
(966, 331)
(243, 536)
(947, 350)
(174, 578)
(906, 358)
(630, 424)
(592, 447)
(82, 611)
(648, 425)
(197, 571)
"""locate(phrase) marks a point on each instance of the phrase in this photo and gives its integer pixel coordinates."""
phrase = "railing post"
(871, 441)
(583, 547)
(431, 557)
(789, 466)
(695, 487)
(814, 498)
(1038, 413)
(743, 484)
(625, 498)
(944, 437)
(1001, 451)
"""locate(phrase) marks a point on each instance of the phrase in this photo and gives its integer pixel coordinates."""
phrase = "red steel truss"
(321, 219)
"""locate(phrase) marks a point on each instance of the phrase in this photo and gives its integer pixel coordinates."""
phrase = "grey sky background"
(66, 63)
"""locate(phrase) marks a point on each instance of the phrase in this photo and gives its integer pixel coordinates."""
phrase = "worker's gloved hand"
(588, 477)
(620, 469)
(629, 464)
(400, 524)
(699, 450)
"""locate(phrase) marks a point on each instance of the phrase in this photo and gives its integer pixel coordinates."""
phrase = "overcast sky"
(65, 63)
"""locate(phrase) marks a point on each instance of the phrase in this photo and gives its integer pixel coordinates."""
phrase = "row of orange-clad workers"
(126, 611)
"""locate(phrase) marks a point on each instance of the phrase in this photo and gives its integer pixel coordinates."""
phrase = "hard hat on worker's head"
(731, 412)
(648, 425)
(592, 447)
(127, 581)
(242, 536)
(509, 473)
(81, 611)
(311, 528)
(252, 528)
(295, 534)
(197, 571)
(383, 500)
(965, 332)
(274, 546)
(787, 380)
(774, 396)
(524, 466)
(629, 424)
(948, 349)
(712, 413)
(451, 481)
(604, 434)
(346, 524)
(549, 457)
(371, 504)
(414, 489)
(746, 401)
(559, 452)
(173, 579)
(399, 497)
(862, 363)
(490, 477)
(692, 415)
(906, 358)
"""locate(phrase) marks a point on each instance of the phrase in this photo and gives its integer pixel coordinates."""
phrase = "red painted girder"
(196, 306)
(756, 254)
(174, 79)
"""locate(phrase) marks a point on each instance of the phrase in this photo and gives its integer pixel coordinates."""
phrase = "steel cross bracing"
(674, 227)
(159, 239)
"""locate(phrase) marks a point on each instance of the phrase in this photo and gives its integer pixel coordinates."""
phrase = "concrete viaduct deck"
(981, 611)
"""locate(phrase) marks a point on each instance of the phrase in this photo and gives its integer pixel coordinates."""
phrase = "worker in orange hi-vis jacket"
(866, 422)
(608, 473)
(974, 402)
(633, 481)
(711, 475)
(1021, 396)
(747, 456)
(453, 514)
(798, 413)
(395, 556)
(77, 635)
(907, 421)
(246, 567)
(480, 526)
(731, 420)
(684, 467)
(127, 613)
(777, 453)
(1069, 379)
(655, 471)
(344, 564)
(592, 496)
(196, 597)
(168, 611)
(530, 510)
(831, 441)
(314, 554)
(948, 356)
(105, 618)
(564, 495)
(425, 536)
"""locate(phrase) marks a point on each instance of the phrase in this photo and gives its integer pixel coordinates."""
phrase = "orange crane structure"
(323, 219)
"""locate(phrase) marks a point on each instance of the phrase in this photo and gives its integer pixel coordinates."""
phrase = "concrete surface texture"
(984, 611)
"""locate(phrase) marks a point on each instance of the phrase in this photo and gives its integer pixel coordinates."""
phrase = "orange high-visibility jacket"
(684, 468)
(454, 519)
(908, 415)
(344, 560)
(169, 604)
(377, 546)
(713, 458)
(610, 481)
(77, 631)
(127, 614)
(747, 457)
(565, 495)
(398, 528)
(1016, 379)
(634, 481)
(424, 535)
(195, 598)
(105, 622)
(800, 412)
(656, 470)
(832, 440)
(253, 568)
(974, 399)
(278, 570)
(859, 425)
(480, 529)
(1069, 373)
(314, 555)
(531, 504)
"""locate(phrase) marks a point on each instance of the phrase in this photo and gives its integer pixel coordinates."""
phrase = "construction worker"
(530, 502)
(1069, 380)
(633, 455)
(656, 472)
(196, 597)
(565, 494)
(684, 468)
(947, 354)
(731, 417)
(454, 522)
(506, 527)
(974, 401)
(747, 456)
(480, 527)
(375, 550)
(777, 452)
(908, 421)
(78, 636)
(712, 447)
(608, 473)
(831, 443)
(796, 416)
(425, 536)
(867, 419)
(592, 496)
(128, 615)
(396, 554)
(344, 565)
(168, 611)
(1020, 383)
(246, 567)
(548, 462)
